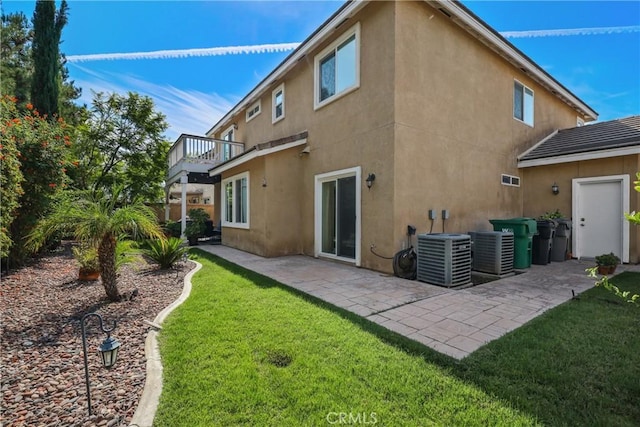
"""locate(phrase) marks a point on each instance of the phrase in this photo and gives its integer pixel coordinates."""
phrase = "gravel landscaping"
(41, 361)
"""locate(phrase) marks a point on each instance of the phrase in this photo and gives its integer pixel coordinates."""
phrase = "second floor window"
(337, 68)
(253, 111)
(277, 97)
(522, 103)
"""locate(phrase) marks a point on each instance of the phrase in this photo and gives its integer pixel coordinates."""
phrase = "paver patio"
(453, 322)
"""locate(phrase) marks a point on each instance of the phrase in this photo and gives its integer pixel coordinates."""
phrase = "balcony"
(195, 155)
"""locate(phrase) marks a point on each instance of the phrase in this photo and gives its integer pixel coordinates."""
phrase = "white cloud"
(570, 32)
(187, 111)
(186, 53)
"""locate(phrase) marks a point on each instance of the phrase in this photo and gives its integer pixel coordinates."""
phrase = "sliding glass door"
(337, 206)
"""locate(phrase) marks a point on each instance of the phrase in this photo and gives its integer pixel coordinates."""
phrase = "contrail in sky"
(185, 53)
(570, 32)
(284, 47)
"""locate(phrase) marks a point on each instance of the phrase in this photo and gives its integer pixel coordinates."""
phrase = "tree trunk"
(107, 259)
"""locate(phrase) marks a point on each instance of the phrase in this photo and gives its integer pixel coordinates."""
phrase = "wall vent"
(492, 252)
(444, 259)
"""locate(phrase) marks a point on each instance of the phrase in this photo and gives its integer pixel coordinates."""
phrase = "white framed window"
(235, 201)
(522, 103)
(510, 180)
(254, 110)
(227, 149)
(337, 68)
(277, 104)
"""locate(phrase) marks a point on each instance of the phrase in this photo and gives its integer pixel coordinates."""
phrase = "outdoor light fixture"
(108, 350)
(370, 179)
(555, 189)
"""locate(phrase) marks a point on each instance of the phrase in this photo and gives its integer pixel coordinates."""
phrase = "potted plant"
(607, 263)
(193, 231)
(87, 257)
(196, 225)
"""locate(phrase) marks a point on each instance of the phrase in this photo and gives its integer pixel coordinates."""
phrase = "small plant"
(552, 215)
(607, 260)
(606, 264)
(196, 225)
(605, 283)
(165, 252)
(87, 257)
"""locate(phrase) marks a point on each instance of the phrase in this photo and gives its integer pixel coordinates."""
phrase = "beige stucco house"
(387, 111)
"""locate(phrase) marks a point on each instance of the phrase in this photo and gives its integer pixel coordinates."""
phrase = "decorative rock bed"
(41, 362)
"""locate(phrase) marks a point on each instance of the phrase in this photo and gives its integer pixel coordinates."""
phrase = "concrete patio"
(453, 322)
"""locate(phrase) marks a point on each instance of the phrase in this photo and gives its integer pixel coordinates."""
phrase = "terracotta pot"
(606, 270)
(88, 275)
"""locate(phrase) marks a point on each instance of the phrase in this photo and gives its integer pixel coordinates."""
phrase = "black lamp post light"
(108, 350)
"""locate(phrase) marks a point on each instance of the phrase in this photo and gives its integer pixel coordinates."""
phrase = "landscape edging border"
(148, 404)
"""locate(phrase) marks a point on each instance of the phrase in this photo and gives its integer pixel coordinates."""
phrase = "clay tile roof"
(608, 135)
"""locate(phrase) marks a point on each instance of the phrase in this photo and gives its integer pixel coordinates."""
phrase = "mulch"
(41, 360)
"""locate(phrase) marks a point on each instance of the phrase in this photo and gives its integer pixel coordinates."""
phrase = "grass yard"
(244, 350)
(578, 364)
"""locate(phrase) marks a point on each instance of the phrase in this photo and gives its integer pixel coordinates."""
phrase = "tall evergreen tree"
(47, 27)
(15, 57)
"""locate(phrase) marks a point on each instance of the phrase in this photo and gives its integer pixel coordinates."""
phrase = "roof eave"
(579, 157)
(477, 27)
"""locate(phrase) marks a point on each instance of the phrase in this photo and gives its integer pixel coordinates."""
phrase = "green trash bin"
(523, 230)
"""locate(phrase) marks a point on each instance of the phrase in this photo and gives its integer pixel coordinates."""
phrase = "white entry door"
(599, 225)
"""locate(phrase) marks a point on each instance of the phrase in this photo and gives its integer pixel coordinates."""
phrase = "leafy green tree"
(47, 28)
(100, 222)
(42, 147)
(122, 144)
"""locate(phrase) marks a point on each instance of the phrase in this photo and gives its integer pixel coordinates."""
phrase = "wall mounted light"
(305, 150)
(555, 189)
(235, 126)
(370, 179)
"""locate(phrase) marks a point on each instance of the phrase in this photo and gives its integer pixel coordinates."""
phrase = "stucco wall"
(355, 130)
(455, 131)
(252, 239)
(539, 199)
(432, 118)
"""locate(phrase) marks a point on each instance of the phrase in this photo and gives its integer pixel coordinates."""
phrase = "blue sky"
(600, 63)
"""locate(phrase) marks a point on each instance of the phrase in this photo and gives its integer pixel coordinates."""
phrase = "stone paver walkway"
(453, 322)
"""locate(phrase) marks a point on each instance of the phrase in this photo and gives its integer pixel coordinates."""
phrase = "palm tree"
(99, 222)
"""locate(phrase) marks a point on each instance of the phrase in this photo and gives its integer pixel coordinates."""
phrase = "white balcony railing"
(199, 154)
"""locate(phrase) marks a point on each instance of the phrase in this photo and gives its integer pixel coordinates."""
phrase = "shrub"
(172, 228)
(165, 252)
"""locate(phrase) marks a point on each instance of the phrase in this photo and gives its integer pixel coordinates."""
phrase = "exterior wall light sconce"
(235, 126)
(108, 350)
(555, 189)
(370, 179)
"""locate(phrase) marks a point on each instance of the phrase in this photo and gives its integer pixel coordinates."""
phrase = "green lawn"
(245, 350)
(578, 364)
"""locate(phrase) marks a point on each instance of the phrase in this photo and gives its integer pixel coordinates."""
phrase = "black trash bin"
(542, 242)
(560, 245)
